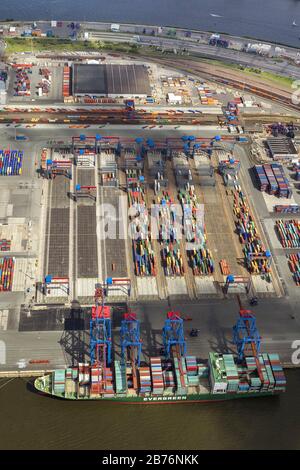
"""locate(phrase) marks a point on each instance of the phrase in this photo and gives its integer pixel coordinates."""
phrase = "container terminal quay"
(152, 191)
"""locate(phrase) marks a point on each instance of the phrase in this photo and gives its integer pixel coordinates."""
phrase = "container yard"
(257, 257)
(22, 80)
(173, 239)
(11, 162)
(94, 171)
(44, 86)
(143, 253)
(294, 264)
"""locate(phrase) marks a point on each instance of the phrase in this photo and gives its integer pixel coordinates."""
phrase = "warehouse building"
(282, 148)
(111, 80)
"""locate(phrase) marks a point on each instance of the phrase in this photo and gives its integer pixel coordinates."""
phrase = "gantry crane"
(173, 339)
(100, 326)
(131, 344)
(173, 335)
(100, 335)
(246, 336)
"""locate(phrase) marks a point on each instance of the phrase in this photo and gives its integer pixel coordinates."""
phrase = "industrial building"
(281, 148)
(111, 80)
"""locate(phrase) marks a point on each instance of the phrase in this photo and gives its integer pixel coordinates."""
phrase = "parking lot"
(53, 85)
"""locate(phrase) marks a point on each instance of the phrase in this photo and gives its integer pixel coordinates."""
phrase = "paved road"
(229, 55)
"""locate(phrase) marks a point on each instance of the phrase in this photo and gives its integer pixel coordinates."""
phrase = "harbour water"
(30, 421)
(270, 20)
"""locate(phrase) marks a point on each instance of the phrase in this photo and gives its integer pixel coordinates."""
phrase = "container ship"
(175, 378)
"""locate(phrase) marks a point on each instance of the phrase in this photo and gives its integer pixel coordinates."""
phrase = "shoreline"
(172, 27)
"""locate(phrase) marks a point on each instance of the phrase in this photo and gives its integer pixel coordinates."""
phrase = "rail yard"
(161, 189)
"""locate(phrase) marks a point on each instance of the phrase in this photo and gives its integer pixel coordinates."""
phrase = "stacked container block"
(284, 189)
(120, 378)
(278, 373)
(23, 82)
(83, 373)
(287, 209)
(254, 250)
(5, 245)
(66, 82)
(180, 376)
(200, 258)
(157, 376)
(255, 382)
(192, 371)
(261, 178)
(289, 233)
(271, 178)
(143, 253)
(108, 391)
(273, 185)
(11, 162)
(6, 273)
(169, 383)
(294, 264)
(145, 380)
(96, 379)
(59, 381)
(231, 373)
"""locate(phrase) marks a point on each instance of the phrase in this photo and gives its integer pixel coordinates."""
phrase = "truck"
(115, 28)
(241, 138)
(21, 137)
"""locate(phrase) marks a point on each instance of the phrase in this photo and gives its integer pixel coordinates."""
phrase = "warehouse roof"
(110, 79)
(89, 78)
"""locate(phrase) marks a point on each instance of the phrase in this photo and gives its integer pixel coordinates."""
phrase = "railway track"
(157, 119)
(235, 79)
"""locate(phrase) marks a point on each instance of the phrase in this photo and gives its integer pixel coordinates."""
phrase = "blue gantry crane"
(131, 344)
(100, 332)
(173, 335)
(245, 334)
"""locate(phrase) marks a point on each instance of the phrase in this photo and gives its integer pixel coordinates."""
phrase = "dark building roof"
(110, 79)
(89, 79)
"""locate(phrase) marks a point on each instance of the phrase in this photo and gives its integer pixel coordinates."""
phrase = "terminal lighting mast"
(173, 335)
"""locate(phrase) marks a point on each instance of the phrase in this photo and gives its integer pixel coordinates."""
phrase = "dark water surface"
(270, 20)
(30, 421)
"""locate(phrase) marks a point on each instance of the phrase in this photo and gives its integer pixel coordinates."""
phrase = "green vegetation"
(63, 45)
(278, 78)
(250, 71)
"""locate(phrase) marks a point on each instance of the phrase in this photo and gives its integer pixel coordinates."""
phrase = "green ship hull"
(43, 387)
